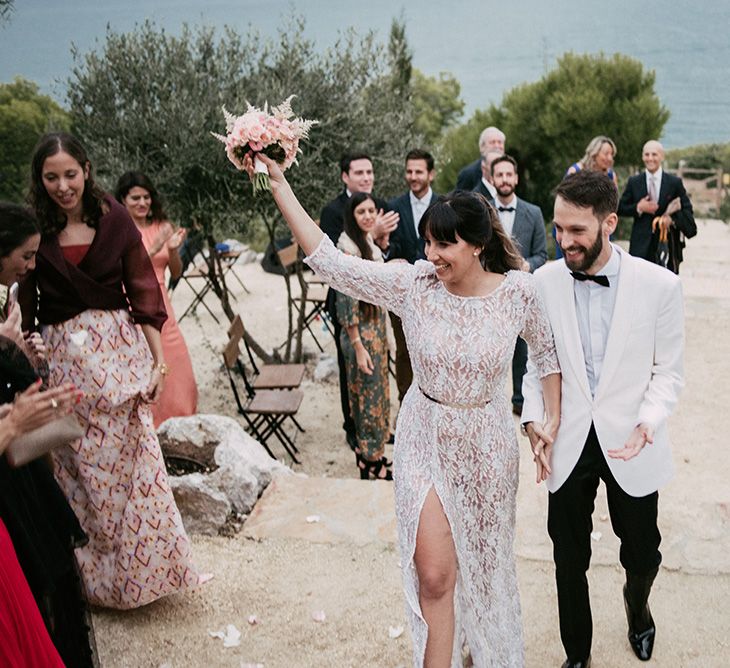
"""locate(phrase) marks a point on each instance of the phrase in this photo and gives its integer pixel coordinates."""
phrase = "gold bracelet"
(163, 368)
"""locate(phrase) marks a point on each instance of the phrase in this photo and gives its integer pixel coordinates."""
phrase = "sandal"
(378, 469)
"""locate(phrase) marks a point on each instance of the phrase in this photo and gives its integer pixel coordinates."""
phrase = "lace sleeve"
(537, 332)
(381, 284)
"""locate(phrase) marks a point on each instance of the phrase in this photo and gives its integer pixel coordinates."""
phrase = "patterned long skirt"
(114, 476)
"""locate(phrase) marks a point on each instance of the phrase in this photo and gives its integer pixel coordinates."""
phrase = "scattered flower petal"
(231, 637)
(253, 620)
(312, 518)
(78, 338)
(395, 632)
(319, 616)
(596, 535)
(603, 518)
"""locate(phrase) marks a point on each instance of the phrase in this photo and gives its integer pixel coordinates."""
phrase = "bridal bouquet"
(275, 133)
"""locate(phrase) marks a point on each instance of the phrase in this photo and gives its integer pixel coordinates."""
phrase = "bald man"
(646, 198)
(491, 139)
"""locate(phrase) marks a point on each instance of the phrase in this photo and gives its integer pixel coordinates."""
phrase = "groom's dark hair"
(592, 190)
(347, 159)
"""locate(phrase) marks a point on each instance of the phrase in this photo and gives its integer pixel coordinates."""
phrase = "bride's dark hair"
(473, 219)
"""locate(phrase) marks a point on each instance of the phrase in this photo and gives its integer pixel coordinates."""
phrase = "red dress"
(24, 640)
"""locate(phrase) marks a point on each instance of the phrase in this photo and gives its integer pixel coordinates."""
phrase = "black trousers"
(519, 368)
(348, 424)
(634, 521)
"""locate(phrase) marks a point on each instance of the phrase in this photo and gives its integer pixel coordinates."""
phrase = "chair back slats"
(236, 329)
(231, 352)
(288, 256)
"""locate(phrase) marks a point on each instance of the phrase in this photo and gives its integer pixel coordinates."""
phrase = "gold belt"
(452, 405)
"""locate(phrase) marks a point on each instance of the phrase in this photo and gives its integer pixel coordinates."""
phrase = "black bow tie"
(505, 208)
(601, 280)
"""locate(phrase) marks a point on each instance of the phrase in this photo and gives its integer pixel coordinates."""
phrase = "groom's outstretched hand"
(642, 434)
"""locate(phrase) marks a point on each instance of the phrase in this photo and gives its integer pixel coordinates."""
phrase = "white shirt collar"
(613, 264)
(512, 202)
(416, 201)
(492, 190)
(657, 175)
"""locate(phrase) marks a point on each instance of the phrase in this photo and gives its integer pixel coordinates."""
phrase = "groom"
(618, 327)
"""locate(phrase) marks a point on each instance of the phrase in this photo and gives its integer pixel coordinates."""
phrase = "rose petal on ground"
(318, 615)
(395, 632)
(253, 620)
(312, 518)
(233, 637)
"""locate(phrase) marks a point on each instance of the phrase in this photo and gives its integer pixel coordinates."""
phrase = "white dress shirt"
(594, 309)
(419, 206)
(492, 190)
(507, 218)
(657, 177)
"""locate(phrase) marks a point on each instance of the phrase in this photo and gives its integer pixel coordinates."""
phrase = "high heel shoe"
(378, 469)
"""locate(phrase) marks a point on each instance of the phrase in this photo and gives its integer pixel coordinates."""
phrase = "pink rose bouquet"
(275, 133)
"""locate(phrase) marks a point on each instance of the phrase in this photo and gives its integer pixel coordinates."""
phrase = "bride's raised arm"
(385, 285)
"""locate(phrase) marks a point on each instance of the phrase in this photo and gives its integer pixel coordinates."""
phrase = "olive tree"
(148, 100)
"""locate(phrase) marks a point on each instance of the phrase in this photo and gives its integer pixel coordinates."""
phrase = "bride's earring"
(476, 252)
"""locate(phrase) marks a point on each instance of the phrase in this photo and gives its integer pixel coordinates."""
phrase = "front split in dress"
(464, 447)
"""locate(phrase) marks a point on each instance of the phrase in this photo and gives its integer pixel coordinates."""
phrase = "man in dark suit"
(406, 244)
(485, 186)
(524, 223)
(491, 139)
(648, 197)
(356, 171)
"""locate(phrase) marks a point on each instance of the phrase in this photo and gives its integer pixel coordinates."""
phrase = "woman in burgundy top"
(92, 286)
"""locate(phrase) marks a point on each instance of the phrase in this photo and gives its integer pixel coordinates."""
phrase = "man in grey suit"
(524, 223)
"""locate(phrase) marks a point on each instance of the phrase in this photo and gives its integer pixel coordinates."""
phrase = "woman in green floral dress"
(365, 347)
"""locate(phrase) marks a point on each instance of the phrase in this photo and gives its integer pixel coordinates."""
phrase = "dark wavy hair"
(17, 224)
(470, 216)
(352, 230)
(130, 180)
(51, 219)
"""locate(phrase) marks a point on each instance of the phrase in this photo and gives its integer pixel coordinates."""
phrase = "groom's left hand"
(642, 434)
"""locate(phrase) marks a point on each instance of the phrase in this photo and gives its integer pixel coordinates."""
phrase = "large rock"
(241, 469)
(203, 508)
(244, 470)
(195, 437)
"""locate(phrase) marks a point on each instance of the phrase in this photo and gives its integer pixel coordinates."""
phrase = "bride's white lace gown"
(461, 350)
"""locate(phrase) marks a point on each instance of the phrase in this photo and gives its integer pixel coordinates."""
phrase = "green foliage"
(25, 114)
(437, 105)
(702, 156)
(548, 123)
(148, 100)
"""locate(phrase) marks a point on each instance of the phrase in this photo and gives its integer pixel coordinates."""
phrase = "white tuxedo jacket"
(640, 379)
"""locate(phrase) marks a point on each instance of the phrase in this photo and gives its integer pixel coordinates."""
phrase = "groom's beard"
(590, 255)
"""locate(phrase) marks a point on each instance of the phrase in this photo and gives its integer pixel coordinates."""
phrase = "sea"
(488, 46)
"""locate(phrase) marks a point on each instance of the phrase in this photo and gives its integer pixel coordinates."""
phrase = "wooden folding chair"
(263, 410)
(268, 376)
(316, 299)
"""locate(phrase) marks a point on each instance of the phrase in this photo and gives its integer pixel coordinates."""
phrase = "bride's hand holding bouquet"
(259, 132)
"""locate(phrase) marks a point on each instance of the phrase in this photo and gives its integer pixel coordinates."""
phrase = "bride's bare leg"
(435, 560)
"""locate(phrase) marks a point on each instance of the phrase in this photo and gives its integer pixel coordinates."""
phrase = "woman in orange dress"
(162, 241)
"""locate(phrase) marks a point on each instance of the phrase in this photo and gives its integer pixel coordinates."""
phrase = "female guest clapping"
(162, 241)
(456, 458)
(364, 343)
(94, 282)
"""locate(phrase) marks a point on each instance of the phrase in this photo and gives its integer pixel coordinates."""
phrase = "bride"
(456, 455)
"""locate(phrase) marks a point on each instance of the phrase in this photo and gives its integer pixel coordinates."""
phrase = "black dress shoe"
(642, 629)
(517, 409)
(586, 663)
